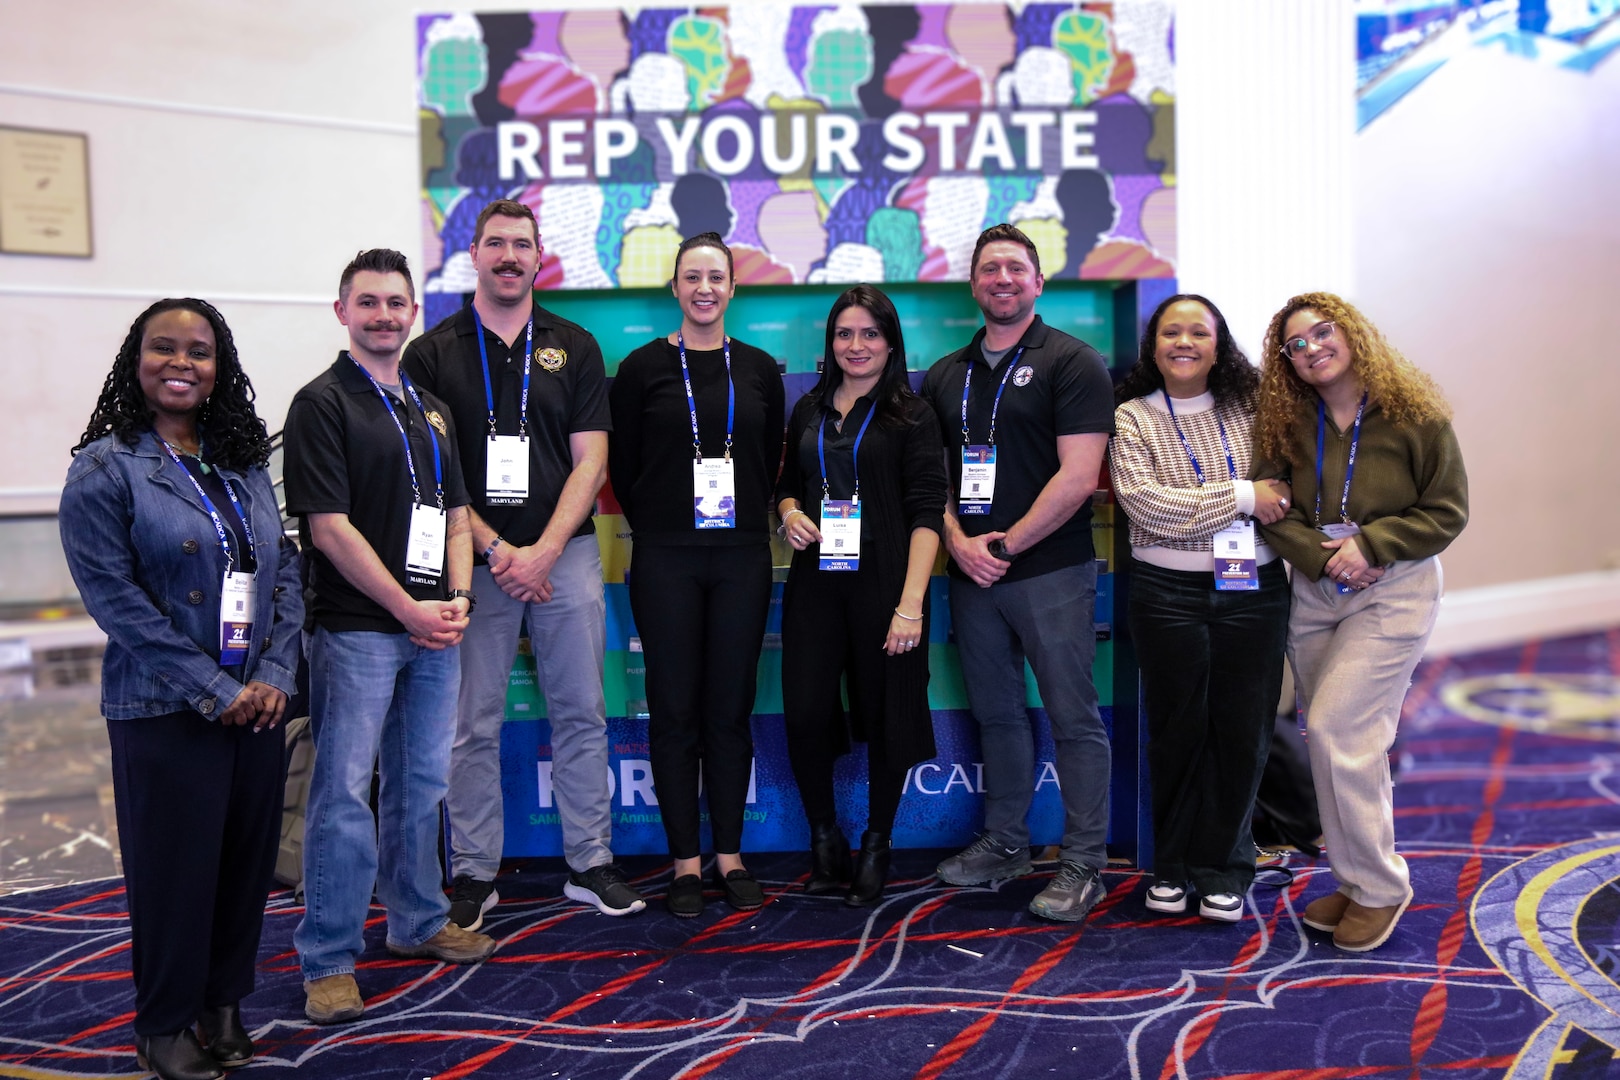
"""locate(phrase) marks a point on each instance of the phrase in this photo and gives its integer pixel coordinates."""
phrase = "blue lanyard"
(1350, 466)
(1198, 470)
(438, 466)
(854, 455)
(208, 505)
(967, 380)
(691, 402)
(489, 394)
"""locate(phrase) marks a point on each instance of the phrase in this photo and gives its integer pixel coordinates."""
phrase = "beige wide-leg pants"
(1353, 656)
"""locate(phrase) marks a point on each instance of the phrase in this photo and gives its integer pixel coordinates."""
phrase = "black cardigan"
(903, 488)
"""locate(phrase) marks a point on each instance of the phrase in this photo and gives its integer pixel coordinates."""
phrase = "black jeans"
(1211, 666)
(700, 613)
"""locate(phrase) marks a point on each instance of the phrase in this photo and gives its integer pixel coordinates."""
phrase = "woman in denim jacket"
(171, 530)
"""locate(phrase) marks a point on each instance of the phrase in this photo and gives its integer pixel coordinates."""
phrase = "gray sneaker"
(1074, 891)
(983, 860)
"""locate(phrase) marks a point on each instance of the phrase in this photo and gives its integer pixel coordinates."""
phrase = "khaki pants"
(1353, 656)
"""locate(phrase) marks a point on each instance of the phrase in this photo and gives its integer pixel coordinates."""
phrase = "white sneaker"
(1221, 906)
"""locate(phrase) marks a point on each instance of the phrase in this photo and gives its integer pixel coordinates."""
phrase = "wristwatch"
(998, 548)
(467, 595)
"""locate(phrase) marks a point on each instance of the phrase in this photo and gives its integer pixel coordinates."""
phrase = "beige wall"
(1488, 250)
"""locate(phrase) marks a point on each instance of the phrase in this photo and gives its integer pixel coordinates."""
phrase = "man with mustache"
(374, 471)
(528, 391)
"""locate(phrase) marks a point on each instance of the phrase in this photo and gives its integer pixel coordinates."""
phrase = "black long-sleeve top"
(650, 452)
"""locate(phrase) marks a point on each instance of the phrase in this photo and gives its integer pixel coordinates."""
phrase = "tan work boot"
(452, 945)
(333, 1000)
(1325, 912)
(1363, 928)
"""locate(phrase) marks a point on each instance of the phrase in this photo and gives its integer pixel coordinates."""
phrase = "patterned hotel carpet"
(1506, 965)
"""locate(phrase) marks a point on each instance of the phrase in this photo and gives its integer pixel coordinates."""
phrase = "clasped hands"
(259, 703)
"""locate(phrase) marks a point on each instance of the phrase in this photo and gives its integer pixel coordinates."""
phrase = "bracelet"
(908, 618)
(781, 530)
(493, 544)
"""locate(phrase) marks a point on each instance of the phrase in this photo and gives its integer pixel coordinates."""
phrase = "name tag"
(424, 555)
(714, 494)
(506, 471)
(840, 535)
(1340, 530)
(1235, 567)
(978, 480)
(235, 618)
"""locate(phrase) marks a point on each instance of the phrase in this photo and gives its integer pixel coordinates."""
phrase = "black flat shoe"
(176, 1057)
(829, 860)
(685, 897)
(221, 1032)
(871, 870)
(742, 891)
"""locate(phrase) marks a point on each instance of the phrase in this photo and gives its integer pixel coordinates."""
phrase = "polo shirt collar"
(466, 327)
(1034, 337)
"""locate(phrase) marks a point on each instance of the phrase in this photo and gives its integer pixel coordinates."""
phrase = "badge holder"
(714, 494)
(425, 555)
(978, 488)
(1235, 567)
(840, 534)
(506, 471)
(235, 618)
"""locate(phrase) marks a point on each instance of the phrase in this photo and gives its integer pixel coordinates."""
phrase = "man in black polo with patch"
(373, 471)
(1027, 411)
(528, 391)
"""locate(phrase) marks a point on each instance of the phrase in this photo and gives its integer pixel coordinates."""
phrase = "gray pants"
(1353, 657)
(568, 634)
(1047, 619)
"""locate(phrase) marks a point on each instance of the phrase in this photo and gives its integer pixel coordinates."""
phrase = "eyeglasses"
(1318, 335)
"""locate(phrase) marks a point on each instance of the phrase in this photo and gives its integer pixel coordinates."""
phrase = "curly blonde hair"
(1406, 394)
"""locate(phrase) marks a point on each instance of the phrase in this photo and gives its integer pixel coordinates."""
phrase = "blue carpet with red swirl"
(1506, 965)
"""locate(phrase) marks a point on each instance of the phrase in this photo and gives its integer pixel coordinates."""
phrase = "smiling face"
(507, 257)
(702, 286)
(177, 363)
(379, 311)
(860, 348)
(1184, 348)
(1005, 283)
(1317, 350)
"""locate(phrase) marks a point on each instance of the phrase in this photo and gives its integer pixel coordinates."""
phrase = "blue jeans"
(374, 698)
(1048, 619)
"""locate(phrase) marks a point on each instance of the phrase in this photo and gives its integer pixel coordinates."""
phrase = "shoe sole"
(588, 896)
(423, 954)
(1040, 911)
(686, 914)
(478, 921)
(342, 1016)
(999, 875)
(231, 1063)
(1167, 907)
(1214, 914)
(1369, 946)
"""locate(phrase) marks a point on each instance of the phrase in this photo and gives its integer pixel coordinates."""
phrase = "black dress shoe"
(742, 891)
(871, 870)
(222, 1033)
(176, 1057)
(686, 896)
(829, 860)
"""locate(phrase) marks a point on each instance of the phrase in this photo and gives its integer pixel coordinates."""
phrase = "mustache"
(386, 324)
(512, 266)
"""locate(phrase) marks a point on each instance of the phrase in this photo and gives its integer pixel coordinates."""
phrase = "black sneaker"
(1074, 891)
(983, 860)
(469, 899)
(604, 888)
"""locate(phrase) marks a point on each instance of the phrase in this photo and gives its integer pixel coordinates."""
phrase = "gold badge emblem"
(437, 421)
(552, 359)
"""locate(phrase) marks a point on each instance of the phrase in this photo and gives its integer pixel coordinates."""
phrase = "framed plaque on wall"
(44, 193)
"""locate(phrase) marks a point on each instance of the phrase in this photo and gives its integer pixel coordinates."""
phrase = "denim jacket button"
(206, 706)
(195, 596)
(190, 547)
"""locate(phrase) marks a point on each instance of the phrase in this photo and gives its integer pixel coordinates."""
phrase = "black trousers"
(1211, 665)
(700, 612)
(833, 625)
(199, 822)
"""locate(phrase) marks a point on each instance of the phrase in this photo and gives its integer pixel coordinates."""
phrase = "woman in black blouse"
(697, 437)
(856, 601)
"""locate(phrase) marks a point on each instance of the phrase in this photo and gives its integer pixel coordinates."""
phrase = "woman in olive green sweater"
(1379, 492)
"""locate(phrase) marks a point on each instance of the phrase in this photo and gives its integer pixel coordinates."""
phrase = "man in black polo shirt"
(373, 470)
(528, 391)
(1027, 411)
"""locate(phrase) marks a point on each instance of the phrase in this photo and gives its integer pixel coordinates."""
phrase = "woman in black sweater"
(859, 442)
(697, 438)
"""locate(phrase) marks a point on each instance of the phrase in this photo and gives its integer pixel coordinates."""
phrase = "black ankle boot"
(222, 1033)
(176, 1057)
(871, 870)
(829, 859)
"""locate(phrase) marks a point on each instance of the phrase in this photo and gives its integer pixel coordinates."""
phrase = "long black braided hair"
(232, 433)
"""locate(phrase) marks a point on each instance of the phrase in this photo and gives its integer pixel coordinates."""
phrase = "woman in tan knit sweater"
(1380, 492)
(1208, 603)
